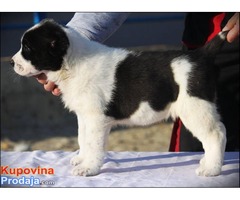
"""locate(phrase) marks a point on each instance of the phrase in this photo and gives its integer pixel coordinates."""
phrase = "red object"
(216, 23)
(175, 139)
(215, 26)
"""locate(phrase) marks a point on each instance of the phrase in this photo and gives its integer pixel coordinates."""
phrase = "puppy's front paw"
(76, 160)
(85, 170)
(202, 161)
(202, 170)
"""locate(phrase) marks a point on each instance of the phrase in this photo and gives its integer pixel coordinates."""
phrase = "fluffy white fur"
(86, 81)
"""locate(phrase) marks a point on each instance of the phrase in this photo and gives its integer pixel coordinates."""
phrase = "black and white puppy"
(109, 86)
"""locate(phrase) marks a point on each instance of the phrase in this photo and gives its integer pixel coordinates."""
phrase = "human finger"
(49, 86)
(231, 22)
(233, 33)
(56, 91)
(42, 78)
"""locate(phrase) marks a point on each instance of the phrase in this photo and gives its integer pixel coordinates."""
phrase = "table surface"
(120, 169)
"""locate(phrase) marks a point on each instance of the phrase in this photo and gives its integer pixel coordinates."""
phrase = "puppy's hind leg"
(202, 119)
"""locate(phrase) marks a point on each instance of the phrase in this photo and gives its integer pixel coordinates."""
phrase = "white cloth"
(123, 169)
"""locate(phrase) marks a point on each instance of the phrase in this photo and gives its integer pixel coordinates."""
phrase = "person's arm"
(94, 26)
(233, 26)
(97, 26)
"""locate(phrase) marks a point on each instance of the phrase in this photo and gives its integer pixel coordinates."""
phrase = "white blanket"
(120, 169)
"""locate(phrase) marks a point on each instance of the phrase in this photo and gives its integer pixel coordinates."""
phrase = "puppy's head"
(43, 48)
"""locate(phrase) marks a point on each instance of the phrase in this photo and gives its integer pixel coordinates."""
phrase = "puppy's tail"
(214, 46)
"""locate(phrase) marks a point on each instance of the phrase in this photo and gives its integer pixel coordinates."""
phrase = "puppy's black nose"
(12, 62)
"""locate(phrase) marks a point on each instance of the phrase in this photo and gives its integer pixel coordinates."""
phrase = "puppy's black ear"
(58, 42)
(59, 45)
(55, 34)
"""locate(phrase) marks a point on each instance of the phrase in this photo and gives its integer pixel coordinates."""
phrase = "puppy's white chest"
(79, 97)
(72, 97)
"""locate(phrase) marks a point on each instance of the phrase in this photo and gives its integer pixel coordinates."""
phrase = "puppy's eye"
(26, 51)
(26, 48)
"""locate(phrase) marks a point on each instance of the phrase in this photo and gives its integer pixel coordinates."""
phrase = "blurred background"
(32, 118)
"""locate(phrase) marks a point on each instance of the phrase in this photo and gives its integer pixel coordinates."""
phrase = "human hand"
(48, 85)
(233, 27)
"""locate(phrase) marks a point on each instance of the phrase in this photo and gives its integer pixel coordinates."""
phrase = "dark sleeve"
(202, 27)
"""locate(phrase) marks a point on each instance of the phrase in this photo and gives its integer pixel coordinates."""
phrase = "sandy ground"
(152, 138)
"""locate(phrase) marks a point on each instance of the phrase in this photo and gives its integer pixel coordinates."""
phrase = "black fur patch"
(45, 46)
(144, 77)
(202, 81)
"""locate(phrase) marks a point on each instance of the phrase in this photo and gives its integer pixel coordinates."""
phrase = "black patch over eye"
(45, 46)
(26, 45)
(26, 49)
